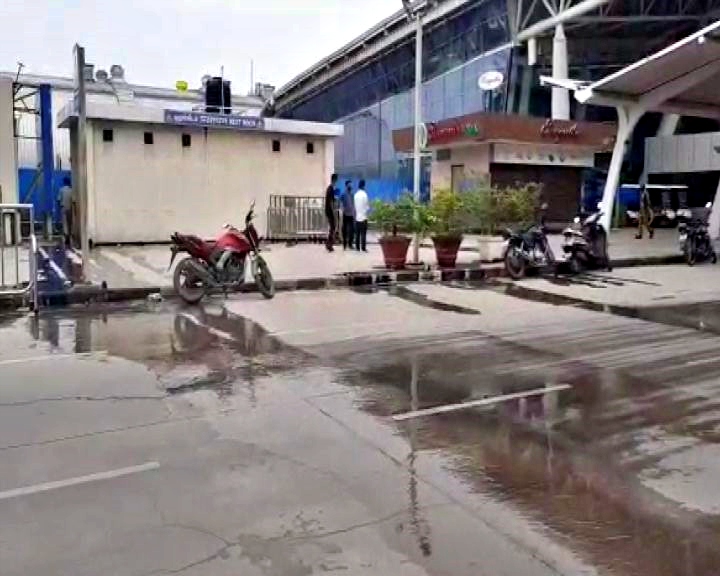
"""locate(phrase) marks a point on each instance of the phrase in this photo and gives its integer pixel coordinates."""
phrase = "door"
(561, 186)
(457, 177)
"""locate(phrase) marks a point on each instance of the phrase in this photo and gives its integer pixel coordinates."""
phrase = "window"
(276, 145)
(443, 155)
(148, 138)
(186, 141)
(107, 135)
(310, 147)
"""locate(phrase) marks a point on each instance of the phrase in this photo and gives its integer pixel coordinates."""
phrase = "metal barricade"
(296, 217)
(18, 253)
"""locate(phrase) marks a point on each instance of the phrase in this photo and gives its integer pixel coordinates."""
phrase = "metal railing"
(296, 217)
(18, 253)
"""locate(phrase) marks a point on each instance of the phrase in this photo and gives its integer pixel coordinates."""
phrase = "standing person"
(330, 194)
(348, 221)
(66, 204)
(361, 216)
(645, 215)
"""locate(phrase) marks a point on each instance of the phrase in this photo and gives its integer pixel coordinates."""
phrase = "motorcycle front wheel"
(515, 263)
(264, 279)
(186, 283)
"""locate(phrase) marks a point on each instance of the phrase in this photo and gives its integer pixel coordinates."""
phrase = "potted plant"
(496, 209)
(449, 217)
(395, 221)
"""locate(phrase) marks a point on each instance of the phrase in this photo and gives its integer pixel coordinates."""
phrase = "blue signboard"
(206, 120)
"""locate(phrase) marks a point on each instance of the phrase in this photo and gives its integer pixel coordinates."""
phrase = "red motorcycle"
(220, 264)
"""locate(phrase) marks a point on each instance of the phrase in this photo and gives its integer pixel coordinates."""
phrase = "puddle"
(188, 349)
(557, 458)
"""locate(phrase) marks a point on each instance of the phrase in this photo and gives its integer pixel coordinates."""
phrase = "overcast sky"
(161, 41)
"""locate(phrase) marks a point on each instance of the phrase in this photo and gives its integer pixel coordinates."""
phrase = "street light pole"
(417, 16)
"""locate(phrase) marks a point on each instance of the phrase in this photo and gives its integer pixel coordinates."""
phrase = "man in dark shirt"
(330, 195)
(348, 218)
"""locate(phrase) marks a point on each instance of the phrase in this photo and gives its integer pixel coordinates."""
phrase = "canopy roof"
(683, 78)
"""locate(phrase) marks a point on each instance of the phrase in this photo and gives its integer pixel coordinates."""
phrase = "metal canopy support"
(634, 91)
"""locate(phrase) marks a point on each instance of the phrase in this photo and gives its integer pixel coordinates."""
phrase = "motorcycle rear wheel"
(690, 252)
(187, 285)
(515, 263)
(264, 279)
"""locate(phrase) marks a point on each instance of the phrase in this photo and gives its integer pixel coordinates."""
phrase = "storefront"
(514, 149)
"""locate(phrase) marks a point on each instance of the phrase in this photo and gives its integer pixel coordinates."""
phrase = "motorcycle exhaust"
(203, 274)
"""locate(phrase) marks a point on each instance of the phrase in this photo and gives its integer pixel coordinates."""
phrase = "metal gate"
(296, 217)
(18, 254)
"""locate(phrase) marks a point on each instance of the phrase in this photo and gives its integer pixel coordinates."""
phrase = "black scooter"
(585, 244)
(694, 236)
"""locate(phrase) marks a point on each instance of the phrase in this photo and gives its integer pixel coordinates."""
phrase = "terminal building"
(483, 104)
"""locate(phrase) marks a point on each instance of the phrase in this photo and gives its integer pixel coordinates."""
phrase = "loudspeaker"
(218, 96)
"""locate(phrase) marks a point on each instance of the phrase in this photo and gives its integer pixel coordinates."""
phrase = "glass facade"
(447, 45)
(367, 148)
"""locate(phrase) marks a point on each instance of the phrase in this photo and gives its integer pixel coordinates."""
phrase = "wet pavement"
(256, 437)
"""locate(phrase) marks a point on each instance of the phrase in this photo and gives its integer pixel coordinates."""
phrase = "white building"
(152, 172)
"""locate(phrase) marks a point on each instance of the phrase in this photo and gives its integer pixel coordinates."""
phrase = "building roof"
(682, 78)
(141, 90)
(113, 112)
(390, 31)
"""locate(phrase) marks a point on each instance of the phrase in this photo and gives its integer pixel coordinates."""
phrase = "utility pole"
(80, 171)
(414, 13)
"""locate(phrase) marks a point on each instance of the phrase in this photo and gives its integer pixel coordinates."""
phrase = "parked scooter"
(694, 236)
(220, 264)
(527, 249)
(585, 244)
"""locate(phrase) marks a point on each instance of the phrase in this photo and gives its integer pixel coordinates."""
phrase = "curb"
(87, 294)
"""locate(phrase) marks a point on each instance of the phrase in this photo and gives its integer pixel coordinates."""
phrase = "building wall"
(474, 159)
(144, 193)
(8, 160)
(684, 153)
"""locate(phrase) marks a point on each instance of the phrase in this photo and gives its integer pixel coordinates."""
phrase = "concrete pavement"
(258, 438)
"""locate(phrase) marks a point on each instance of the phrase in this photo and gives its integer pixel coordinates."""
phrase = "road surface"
(285, 437)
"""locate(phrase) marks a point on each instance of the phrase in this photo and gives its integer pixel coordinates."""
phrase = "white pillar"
(668, 124)
(8, 148)
(627, 119)
(560, 96)
(714, 222)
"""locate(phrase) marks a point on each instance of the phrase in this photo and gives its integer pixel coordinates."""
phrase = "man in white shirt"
(362, 208)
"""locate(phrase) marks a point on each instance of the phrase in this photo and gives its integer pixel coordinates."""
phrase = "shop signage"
(206, 120)
(438, 134)
(491, 80)
(552, 130)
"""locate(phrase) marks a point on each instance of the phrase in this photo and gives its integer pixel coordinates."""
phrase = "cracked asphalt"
(256, 437)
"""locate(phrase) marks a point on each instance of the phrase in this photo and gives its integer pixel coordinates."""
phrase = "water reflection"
(188, 349)
(547, 456)
(418, 522)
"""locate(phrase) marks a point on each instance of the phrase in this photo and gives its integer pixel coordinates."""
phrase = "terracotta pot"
(394, 250)
(446, 250)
